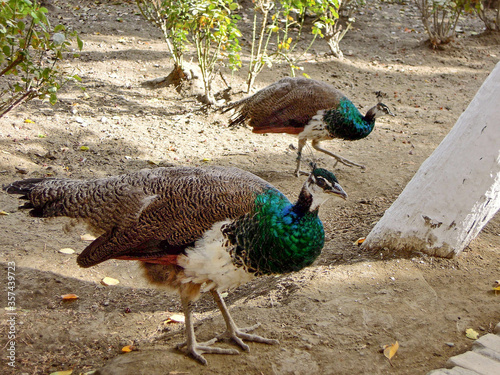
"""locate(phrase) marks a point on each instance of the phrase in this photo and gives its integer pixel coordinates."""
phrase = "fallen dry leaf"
(67, 372)
(129, 348)
(496, 286)
(87, 237)
(66, 250)
(175, 318)
(4, 213)
(109, 281)
(359, 241)
(471, 334)
(390, 351)
(69, 297)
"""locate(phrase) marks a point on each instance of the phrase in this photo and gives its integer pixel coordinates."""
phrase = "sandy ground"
(332, 318)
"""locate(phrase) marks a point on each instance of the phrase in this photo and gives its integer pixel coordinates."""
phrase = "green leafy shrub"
(215, 35)
(278, 28)
(440, 18)
(335, 18)
(208, 25)
(489, 12)
(30, 49)
(170, 16)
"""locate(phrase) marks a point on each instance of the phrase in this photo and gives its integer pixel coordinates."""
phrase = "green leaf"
(80, 42)
(53, 98)
(59, 28)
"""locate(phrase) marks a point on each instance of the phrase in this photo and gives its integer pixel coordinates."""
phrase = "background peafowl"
(311, 109)
(193, 229)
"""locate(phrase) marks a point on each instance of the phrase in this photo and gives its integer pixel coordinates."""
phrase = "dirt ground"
(332, 318)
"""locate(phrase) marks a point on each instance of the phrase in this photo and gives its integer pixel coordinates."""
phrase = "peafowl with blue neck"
(193, 230)
(312, 110)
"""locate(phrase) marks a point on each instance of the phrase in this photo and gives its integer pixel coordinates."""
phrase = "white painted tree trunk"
(456, 190)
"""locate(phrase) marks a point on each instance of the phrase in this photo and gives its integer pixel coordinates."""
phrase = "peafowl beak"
(384, 109)
(336, 189)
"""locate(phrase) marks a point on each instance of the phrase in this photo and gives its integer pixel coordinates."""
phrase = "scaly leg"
(347, 162)
(302, 143)
(235, 333)
(195, 349)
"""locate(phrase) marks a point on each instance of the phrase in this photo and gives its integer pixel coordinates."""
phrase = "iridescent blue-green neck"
(276, 238)
(347, 122)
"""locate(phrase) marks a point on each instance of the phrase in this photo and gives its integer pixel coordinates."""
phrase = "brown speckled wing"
(188, 202)
(285, 106)
(148, 213)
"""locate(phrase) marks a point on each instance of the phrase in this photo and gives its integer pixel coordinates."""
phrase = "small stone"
(450, 344)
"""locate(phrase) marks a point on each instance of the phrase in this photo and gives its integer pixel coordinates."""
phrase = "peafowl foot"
(239, 334)
(233, 332)
(347, 162)
(196, 350)
(301, 173)
(191, 346)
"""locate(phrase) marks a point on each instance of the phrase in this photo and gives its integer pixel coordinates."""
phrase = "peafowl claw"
(240, 334)
(196, 350)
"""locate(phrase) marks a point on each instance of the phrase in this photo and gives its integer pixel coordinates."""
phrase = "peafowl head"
(320, 186)
(378, 111)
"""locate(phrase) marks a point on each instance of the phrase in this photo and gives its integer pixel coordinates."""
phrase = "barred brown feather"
(140, 211)
(289, 103)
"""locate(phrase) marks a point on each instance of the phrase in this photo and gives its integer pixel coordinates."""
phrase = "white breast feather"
(315, 128)
(210, 263)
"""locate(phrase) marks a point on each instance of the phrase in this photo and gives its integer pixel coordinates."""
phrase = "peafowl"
(311, 109)
(192, 229)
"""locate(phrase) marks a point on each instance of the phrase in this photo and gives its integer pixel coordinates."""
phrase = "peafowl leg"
(192, 347)
(235, 333)
(347, 162)
(302, 143)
